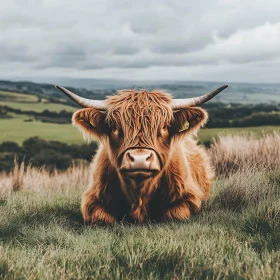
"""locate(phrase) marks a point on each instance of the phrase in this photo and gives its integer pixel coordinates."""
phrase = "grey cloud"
(10, 54)
(122, 38)
(67, 57)
(125, 50)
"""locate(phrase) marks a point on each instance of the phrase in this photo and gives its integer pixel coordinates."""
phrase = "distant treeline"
(39, 152)
(237, 115)
(62, 117)
(4, 113)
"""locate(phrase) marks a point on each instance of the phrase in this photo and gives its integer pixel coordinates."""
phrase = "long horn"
(84, 102)
(190, 102)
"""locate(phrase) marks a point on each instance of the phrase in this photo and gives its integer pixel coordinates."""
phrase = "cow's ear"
(189, 120)
(91, 122)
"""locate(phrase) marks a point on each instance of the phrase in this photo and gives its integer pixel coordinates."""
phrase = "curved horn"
(190, 102)
(84, 102)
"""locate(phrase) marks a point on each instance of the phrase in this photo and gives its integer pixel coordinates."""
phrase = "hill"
(49, 92)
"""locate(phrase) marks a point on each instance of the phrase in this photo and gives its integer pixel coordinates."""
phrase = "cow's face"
(139, 130)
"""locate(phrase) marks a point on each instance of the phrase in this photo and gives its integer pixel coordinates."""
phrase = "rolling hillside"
(17, 127)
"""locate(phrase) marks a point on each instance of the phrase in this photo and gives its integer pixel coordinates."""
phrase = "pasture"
(6, 96)
(235, 236)
(18, 129)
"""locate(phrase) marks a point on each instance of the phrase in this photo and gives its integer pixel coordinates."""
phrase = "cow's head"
(139, 128)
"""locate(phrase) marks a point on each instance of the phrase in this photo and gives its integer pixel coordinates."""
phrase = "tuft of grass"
(244, 188)
(4, 269)
(263, 224)
(17, 175)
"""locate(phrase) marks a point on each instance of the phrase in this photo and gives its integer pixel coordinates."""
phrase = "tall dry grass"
(250, 156)
(232, 153)
(29, 178)
(17, 175)
(247, 168)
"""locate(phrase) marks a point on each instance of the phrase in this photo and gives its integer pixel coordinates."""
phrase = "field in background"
(18, 129)
(235, 236)
(20, 126)
(209, 134)
(17, 97)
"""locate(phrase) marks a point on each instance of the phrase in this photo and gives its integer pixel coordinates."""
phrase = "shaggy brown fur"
(145, 119)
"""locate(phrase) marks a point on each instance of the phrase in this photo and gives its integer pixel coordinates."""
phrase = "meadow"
(17, 129)
(235, 236)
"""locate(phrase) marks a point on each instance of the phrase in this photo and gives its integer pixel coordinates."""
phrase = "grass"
(235, 236)
(17, 129)
(230, 153)
(37, 107)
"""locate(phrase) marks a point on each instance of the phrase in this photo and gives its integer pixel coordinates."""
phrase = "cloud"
(147, 40)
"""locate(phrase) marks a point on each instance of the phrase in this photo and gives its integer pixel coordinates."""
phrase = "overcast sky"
(214, 40)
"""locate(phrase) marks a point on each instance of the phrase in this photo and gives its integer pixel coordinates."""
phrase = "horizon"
(243, 93)
(51, 81)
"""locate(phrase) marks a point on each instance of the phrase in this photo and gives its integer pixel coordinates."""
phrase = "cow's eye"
(116, 131)
(163, 131)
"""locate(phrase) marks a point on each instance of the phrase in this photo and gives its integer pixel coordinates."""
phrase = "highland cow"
(148, 166)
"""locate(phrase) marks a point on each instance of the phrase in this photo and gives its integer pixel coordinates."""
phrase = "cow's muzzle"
(140, 163)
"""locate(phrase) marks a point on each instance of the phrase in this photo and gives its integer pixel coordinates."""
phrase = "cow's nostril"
(130, 157)
(150, 157)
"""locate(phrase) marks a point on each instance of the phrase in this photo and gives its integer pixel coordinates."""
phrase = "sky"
(214, 40)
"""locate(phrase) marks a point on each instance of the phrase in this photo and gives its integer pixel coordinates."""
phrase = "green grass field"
(17, 130)
(42, 236)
